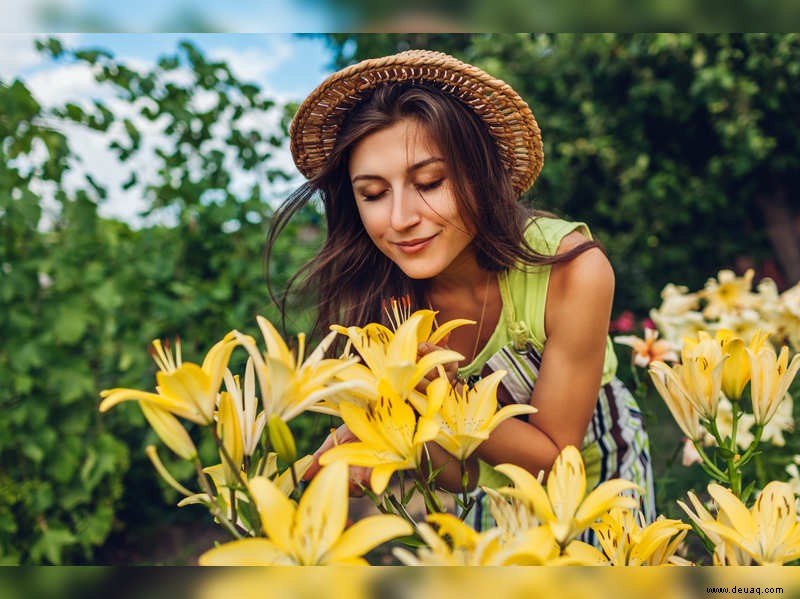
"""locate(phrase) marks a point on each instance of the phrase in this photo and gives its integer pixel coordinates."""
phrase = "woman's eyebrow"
(367, 177)
(423, 163)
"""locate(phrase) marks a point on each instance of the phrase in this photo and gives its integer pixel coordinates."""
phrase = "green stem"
(401, 509)
(707, 461)
(432, 503)
(232, 499)
(733, 469)
(635, 376)
(711, 426)
(754, 444)
(378, 504)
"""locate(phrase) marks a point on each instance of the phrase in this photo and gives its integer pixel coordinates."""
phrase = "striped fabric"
(615, 444)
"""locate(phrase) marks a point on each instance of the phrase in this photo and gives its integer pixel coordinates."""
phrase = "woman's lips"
(414, 245)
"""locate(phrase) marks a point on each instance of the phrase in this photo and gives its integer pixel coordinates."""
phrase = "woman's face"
(404, 196)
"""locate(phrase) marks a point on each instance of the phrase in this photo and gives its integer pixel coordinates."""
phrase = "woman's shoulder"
(547, 234)
(588, 274)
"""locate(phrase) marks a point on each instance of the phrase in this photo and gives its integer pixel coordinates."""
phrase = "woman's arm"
(577, 314)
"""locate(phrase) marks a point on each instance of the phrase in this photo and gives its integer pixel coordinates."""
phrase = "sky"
(287, 68)
(176, 15)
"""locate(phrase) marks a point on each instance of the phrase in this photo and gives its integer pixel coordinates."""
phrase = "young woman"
(419, 160)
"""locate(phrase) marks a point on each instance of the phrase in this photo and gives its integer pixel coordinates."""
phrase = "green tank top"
(524, 295)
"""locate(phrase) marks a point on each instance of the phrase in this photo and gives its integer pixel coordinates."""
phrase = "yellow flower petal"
(276, 511)
(366, 534)
(244, 552)
(169, 430)
(527, 488)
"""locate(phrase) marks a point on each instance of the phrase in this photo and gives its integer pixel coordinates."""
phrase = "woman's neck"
(464, 277)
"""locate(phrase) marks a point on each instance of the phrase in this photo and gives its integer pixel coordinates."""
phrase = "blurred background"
(139, 173)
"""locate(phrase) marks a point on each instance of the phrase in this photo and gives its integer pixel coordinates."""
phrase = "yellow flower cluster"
(540, 524)
(379, 387)
(719, 368)
(729, 302)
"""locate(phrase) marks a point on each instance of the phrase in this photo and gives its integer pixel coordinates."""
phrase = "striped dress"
(615, 444)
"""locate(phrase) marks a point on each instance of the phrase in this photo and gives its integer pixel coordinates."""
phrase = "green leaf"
(51, 544)
(94, 528)
(71, 323)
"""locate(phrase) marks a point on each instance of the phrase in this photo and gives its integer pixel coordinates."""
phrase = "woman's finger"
(359, 480)
(336, 437)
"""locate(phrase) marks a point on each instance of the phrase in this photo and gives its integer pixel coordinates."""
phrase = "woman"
(419, 160)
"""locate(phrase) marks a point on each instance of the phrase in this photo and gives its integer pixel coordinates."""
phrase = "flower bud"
(282, 439)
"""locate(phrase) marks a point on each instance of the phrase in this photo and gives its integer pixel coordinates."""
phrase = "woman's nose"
(405, 211)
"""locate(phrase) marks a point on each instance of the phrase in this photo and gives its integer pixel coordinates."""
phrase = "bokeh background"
(139, 173)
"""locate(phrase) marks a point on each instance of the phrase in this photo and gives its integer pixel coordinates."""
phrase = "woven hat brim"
(508, 117)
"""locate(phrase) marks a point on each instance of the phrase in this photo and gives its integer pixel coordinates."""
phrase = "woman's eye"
(429, 186)
(370, 197)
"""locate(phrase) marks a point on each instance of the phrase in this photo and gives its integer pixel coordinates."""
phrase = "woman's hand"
(359, 475)
(450, 369)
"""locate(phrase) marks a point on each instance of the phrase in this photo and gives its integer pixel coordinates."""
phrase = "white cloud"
(66, 83)
(254, 64)
(18, 54)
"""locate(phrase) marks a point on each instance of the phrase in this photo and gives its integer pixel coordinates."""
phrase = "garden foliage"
(83, 295)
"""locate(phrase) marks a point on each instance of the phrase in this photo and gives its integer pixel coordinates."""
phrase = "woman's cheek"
(373, 219)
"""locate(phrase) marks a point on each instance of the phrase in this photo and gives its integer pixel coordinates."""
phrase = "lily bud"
(282, 439)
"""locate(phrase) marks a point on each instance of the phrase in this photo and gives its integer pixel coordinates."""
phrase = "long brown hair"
(349, 276)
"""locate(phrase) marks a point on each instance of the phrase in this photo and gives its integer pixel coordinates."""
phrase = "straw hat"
(508, 118)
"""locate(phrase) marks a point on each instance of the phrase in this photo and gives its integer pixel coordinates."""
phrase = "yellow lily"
(770, 380)
(392, 356)
(782, 421)
(363, 390)
(511, 514)
(290, 385)
(727, 292)
(390, 437)
(769, 532)
(468, 417)
(564, 507)
(466, 547)
(702, 361)
(310, 533)
(399, 310)
(736, 369)
(627, 542)
(184, 389)
(725, 552)
(469, 548)
(169, 430)
(245, 403)
(229, 431)
(671, 387)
